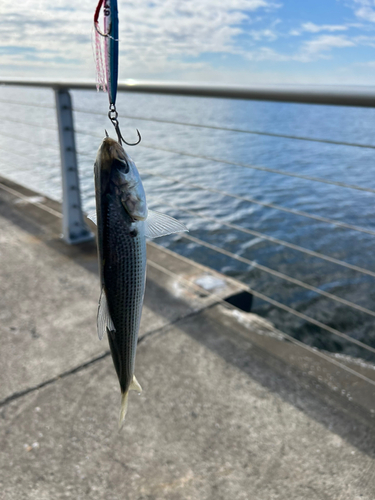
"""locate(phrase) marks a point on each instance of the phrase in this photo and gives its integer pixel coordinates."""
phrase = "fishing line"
(106, 58)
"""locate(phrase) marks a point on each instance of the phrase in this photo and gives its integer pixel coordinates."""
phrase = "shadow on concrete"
(288, 383)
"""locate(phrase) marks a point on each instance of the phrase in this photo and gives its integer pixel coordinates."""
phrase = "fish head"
(118, 168)
(107, 152)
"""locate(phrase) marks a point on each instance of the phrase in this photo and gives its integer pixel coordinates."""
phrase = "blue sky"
(237, 41)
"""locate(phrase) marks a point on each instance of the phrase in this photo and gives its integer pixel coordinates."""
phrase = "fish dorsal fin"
(92, 216)
(104, 320)
(158, 224)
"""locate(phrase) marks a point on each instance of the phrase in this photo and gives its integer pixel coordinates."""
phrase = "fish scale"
(124, 277)
(123, 222)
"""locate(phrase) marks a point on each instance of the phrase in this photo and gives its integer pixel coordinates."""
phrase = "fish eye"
(121, 165)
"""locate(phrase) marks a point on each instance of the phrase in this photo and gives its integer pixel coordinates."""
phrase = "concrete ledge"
(230, 408)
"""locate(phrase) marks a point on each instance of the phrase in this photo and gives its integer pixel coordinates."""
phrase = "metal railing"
(75, 229)
(333, 95)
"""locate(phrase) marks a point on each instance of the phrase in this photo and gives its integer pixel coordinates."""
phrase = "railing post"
(75, 229)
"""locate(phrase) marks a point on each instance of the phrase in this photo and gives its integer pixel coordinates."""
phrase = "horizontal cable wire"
(33, 105)
(248, 231)
(242, 198)
(245, 287)
(20, 155)
(262, 235)
(262, 169)
(239, 130)
(253, 200)
(27, 141)
(251, 167)
(268, 205)
(283, 276)
(249, 200)
(280, 275)
(16, 153)
(13, 164)
(282, 334)
(27, 123)
(271, 238)
(279, 305)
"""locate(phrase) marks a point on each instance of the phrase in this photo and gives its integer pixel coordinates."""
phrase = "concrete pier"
(230, 408)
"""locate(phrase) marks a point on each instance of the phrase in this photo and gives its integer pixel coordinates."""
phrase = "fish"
(123, 224)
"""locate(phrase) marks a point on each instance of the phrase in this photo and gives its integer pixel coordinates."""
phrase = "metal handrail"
(359, 96)
(75, 229)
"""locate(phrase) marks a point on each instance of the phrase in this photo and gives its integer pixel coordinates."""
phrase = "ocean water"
(30, 156)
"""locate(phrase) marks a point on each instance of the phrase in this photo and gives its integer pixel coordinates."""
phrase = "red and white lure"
(106, 48)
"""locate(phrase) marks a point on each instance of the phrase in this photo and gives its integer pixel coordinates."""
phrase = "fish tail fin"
(124, 408)
(134, 386)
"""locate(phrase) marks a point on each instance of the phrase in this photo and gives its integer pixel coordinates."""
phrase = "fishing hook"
(105, 35)
(113, 115)
(96, 22)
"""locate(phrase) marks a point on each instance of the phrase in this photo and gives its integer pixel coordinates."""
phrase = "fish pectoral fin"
(135, 385)
(104, 320)
(158, 224)
(92, 216)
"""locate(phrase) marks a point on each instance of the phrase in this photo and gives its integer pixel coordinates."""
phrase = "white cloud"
(311, 50)
(267, 54)
(365, 9)
(266, 34)
(365, 40)
(318, 47)
(315, 28)
(155, 36)
(269, 34)
(170, 39)
(368, 64)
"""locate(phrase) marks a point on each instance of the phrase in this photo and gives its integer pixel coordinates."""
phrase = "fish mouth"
(109, 151)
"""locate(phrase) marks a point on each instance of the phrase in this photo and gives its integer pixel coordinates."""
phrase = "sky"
(230, 42)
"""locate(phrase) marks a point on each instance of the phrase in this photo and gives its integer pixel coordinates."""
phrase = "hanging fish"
(123, 223)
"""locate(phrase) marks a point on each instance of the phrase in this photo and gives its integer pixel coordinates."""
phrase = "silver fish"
(123, 223)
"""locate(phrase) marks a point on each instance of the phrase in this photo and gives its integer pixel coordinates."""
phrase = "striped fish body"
(123, 222)
(124, 272)
(120, 208)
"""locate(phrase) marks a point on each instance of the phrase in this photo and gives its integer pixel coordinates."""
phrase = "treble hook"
(112, 115)
(120, 137)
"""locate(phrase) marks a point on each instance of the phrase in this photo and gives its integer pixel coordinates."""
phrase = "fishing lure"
(106, 57)
(123, 221)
